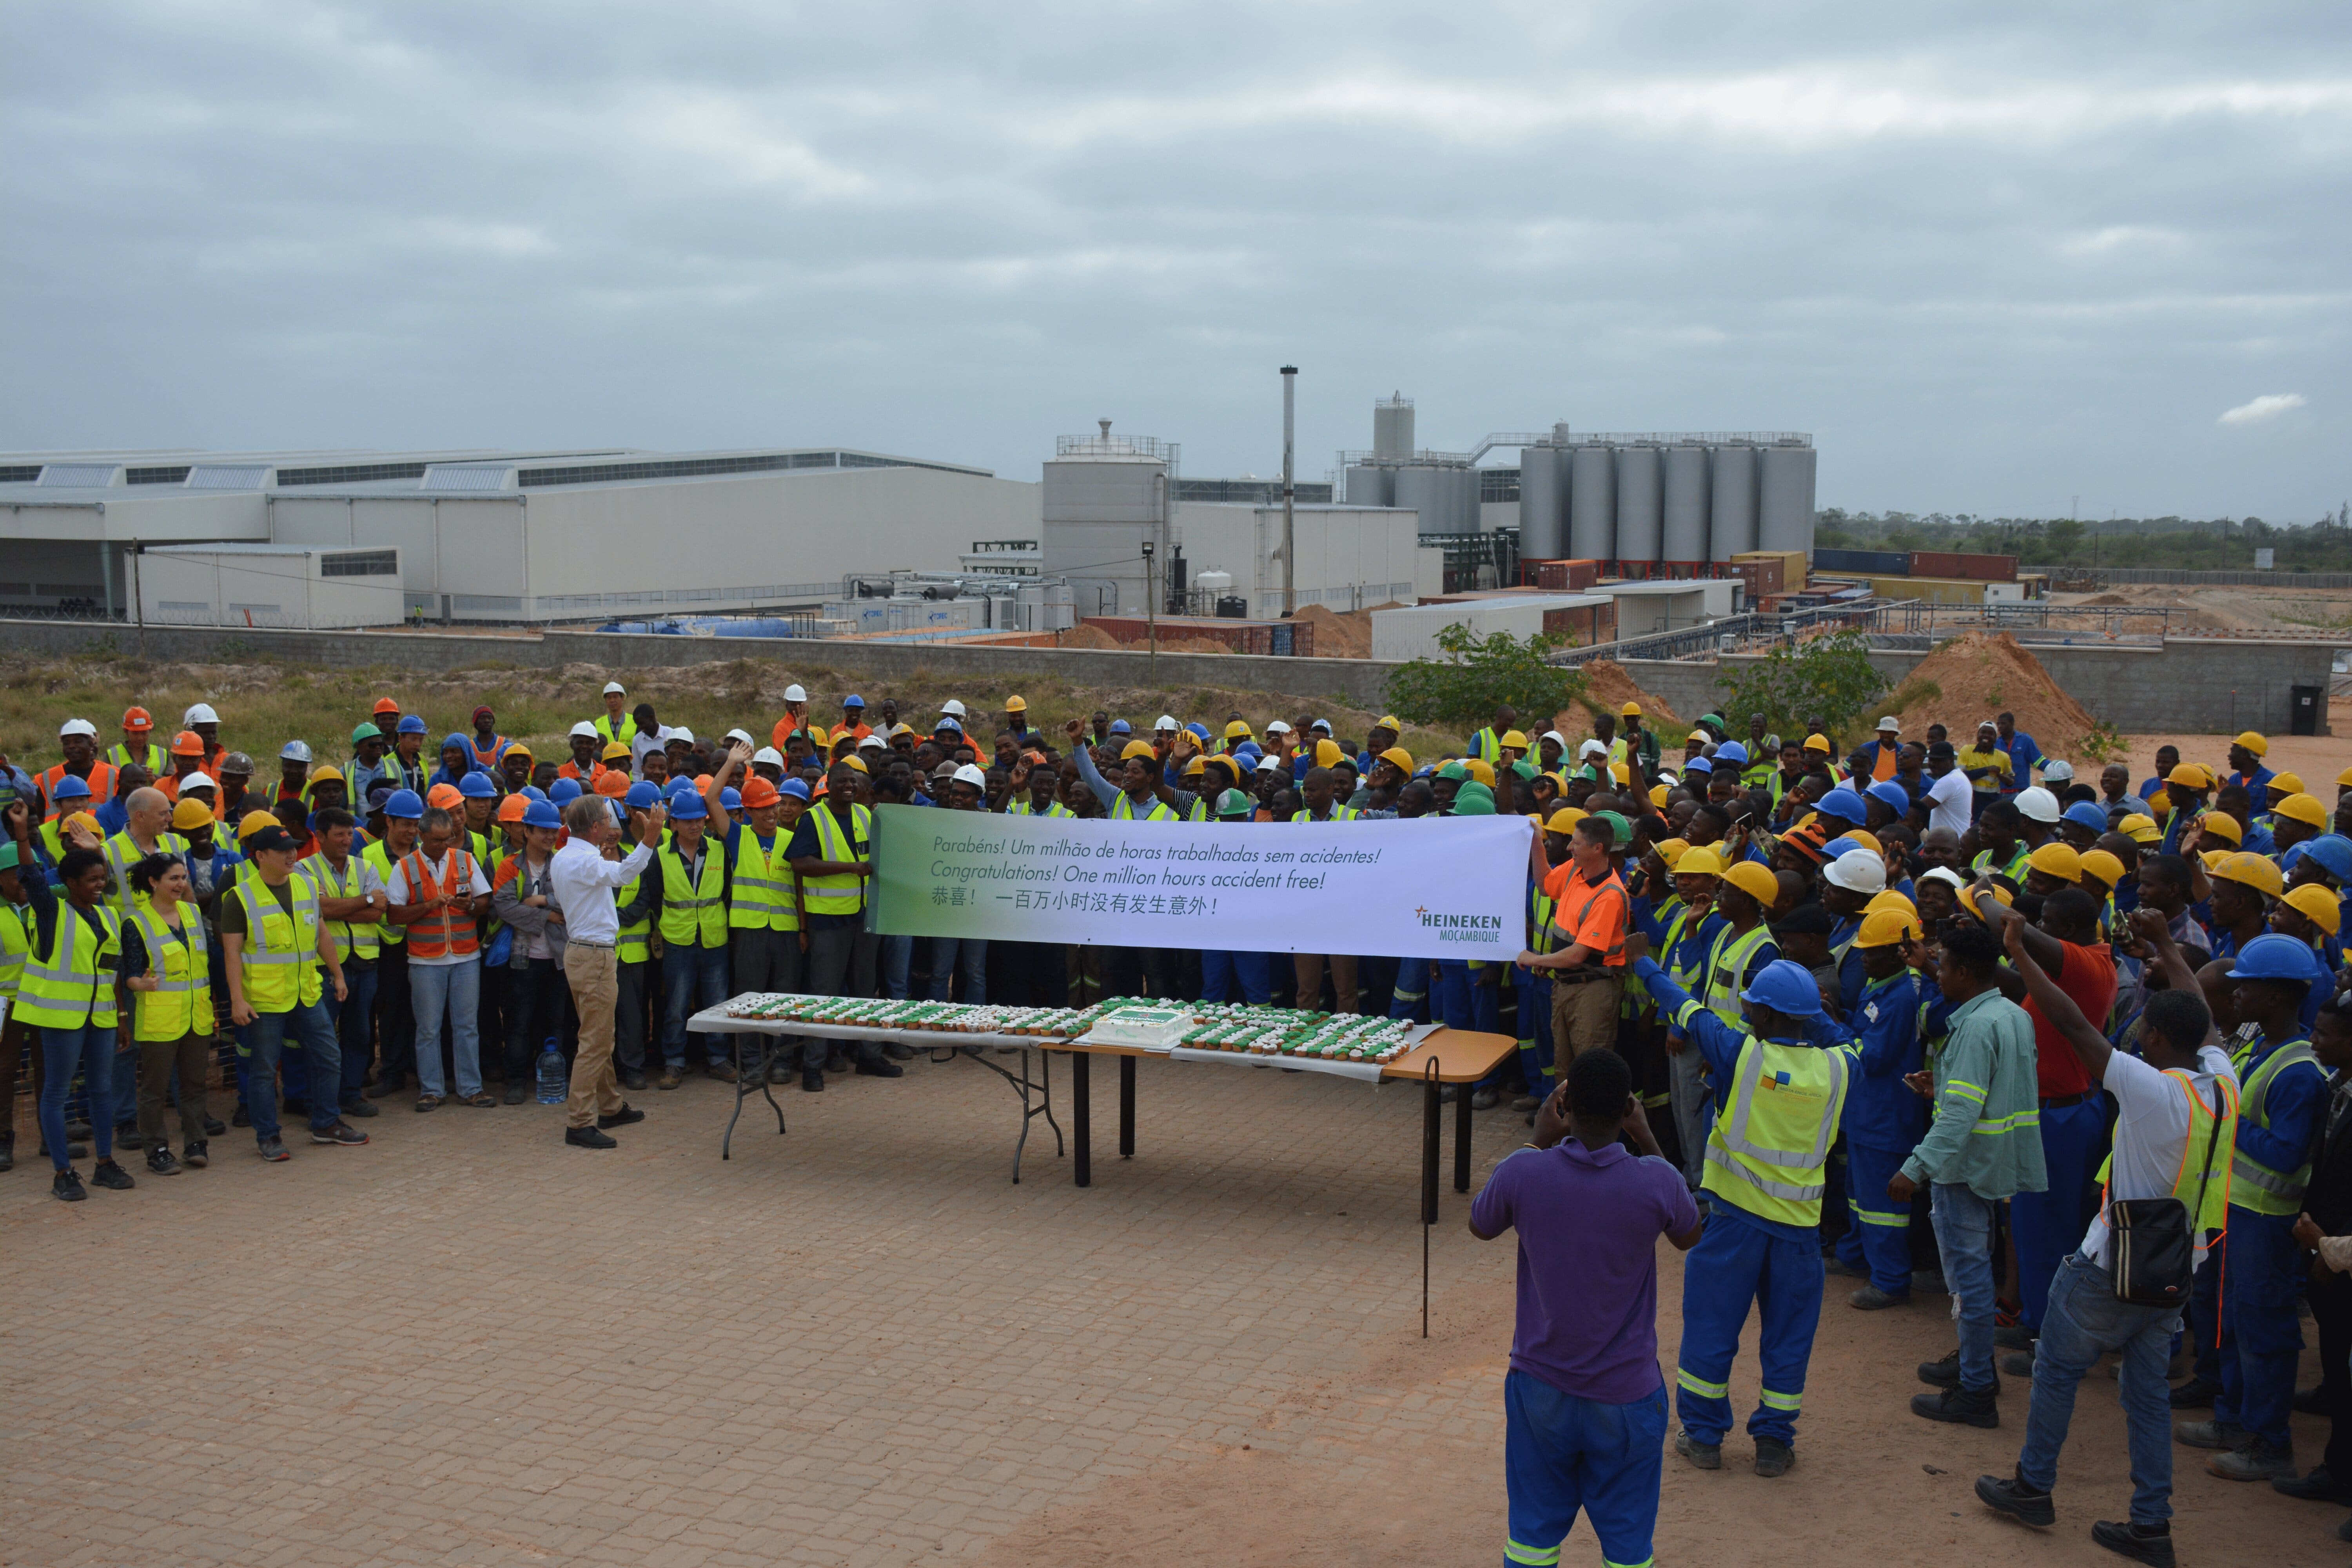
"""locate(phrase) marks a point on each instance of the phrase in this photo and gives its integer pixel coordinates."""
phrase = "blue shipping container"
(1874, 563)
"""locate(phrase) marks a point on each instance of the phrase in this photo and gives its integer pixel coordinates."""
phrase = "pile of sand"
(1338, 636)
(1088, 637)
(1613, 688)
(1983, 674)
(1186, 645)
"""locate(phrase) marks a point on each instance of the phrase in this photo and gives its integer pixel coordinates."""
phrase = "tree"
(1478, 675)
(1829, 678)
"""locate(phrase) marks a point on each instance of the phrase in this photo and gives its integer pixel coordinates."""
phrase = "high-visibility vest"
(1123, 810)
(386, 933)
(73, 982)
(181, 1002)
(758, 898)
(1770, 1148)
(1685, 970)
(634, 944)
(450, 930)
(844, 893)
(16, 942)
(489, 760)
(151, 756)
(2013, 867)
(1487, 745)
(121, 854)
(1725, 966)
(1542, 937)
(692, 914)
(625, 734)
(2195, 1172)
(279, 961)
(1338, 814)
(100, 782)
(1024, 808)
(349, 937)
(2267, 1191)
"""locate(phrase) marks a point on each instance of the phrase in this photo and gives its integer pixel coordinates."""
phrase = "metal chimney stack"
(1289, 537)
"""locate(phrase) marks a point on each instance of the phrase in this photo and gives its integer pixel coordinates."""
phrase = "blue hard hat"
(730, 798)
(410, 724)
(404, 803)
(1696, 766)
(1893, 794)
(1787, 986)
(2333, 853)
(563, 792)
(1198, 729)
(947, 723)
(476, 785)
(1731, 752)
(796, 788)
(2274, 957)
(1120, 727)
(643, 795)
(2083, 814)
(541, 814)
(1844, 804)
(533, 792)
(687, 806)
(853, 700)
(71, 788)
(1837, 846)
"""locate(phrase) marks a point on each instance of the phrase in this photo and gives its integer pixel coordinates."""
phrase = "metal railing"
(1748, 630)
(2283, 579)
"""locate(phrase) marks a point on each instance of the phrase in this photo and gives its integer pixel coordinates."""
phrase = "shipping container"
(1561, 577)
(1296, 639)
(1869, 562)
(1973, 568)
(1792, 565)
(1933, 590)
(1762, 578)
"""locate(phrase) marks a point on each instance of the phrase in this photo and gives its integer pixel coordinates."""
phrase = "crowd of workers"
(1915, 1013)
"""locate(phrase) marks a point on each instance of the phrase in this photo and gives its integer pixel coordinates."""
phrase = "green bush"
(1478, 675)
(1829, 678)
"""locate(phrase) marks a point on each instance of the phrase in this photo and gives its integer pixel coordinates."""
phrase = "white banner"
(1434, 887)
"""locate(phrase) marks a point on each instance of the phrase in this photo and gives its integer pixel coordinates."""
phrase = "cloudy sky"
(1993, 257)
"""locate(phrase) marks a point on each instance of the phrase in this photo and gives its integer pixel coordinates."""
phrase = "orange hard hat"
(187, 744)
(511, 808)
(138, 719)
(446, 796)
(759, 795)
(612, 783)
(386, 705)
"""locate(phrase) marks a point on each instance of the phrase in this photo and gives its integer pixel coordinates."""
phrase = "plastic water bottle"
(554, 1083)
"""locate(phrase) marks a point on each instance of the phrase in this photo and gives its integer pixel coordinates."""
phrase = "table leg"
(1081, 1111)
(1127, 1108)
(1429, 1123)
(1462, 1140)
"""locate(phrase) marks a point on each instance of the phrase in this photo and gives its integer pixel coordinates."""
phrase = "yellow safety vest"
(1024, 808)
(844, 893)
(692, 915)
(2267, 1191)
(14, 943)
(1725, 966)
(153, 758)
(1338, 814)
(181, 1002)
(1769, 1151)
(2195, 1172)
(758, 899)
(279, 961)
(386, 933)
(121, 854)
(73, 983)
(625, 734)
(633, 942)
(1123, 809)
(350, 938)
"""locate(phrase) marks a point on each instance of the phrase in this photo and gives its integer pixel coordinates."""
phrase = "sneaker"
(1485, 1099)
(1871, 1299)
(1526, 1102)
(631, 1079)
(274, 1150)
(2140, 1542)
(671, 1076)
(812, 1081)
(1702, 1455)
(2311, 1401)
(2195, 1395)
(197, 1155)
(2015, 1498)
(161, 1161)
(107, 1173)
(67, 1185)
(240, 1117)
(341, 1134)
(900, 1053)
(623, 1117)
(2316, 1487)
(362, 1107)
(1960, 1407)
(2211, 1435)
(588, 1137)
(723, 1071)
(2257, 1461)
(214, 1126)
(1773, 1457)
(881, 1070)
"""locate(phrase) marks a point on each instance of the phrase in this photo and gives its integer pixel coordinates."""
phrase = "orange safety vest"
(101, 783)
(448, 933)
(490, 759)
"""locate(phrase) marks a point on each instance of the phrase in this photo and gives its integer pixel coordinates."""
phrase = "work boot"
(1526, 1102)
(672, 1074)
(362, 1107)
(515, 1091)
(2316, 1487)
(880, 1068)
(2012, 1337)
(162, 1160)
(812, 1081)
(2311, 1401)
(1702, 1456)
(1832, 1263)
(588, 1137)
(836, 1059)
(2140, 1542)
(1871, 1299)
(2015, 1498)
(723, 1071)
(1961, 1407)
(1485, 1100)
(197, 1155)
(1773, 1457)
(2211, 1435)
(2257, 1461)
(2195, 1395)
(781, 1071)
(631, 1078)
(1946, 1373)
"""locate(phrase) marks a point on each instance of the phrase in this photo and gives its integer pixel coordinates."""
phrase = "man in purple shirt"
(1584, 1399)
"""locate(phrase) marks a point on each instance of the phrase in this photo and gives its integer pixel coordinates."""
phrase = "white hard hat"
(2058, 770)
(202, 713)
(875, 741)
(77, 727)
(970, 775)
(952, 706)
(680, 733)
(295, 751)
(1277, 728)
(1555, 735)
(739, 734)
(770, 755)
(1165, 722)
(1858, 871)
(583, 728)
(794, 694)
(197, 781)
(615, 688)
(1589, 748)
(1268, 764)
(2037, 805)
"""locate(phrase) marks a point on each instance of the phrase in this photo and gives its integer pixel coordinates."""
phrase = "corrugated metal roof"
(82, 476)
(468, 476)
(229, 476)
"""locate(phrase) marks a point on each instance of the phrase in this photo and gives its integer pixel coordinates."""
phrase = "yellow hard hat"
(1016, 705)
(1199, 765)
(1137, 748)
(1891, 899)
(2285, 784)
(2254, 742)
(2217, 826)
(2256, 871)
(1819, 744)
(2213, 858)
(1621, 772)
(817, 736)
(2305, 808)
(192, 814)
(1755, 881)
(1631, 710)
(1516, 739)
(1999, 894)
(255, 821)
(2190, 775)
(1328, 754)
(2103, 867)
(1401, 757)
(1867, 840)
(2056, 859)
(1390, 722)
(1479, 768)
(2317, 905)
(859, 762)
(2140, 827)
(2344, 779)
(614, 752)
(1886, 928)
(1700, 860)
(1671, 851)
(326, 773)
(1238, 729)
(1565, 820)
(1701, 736)
(1658, 797)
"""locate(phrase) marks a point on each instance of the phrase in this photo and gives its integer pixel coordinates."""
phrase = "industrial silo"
(1684, 542)
(1593, 503)
(1784, 511)
(1429, 492)
(1543, 519)
(1369, 485)
(1732, 530)
(1393, 429)
(1469, 515)
(1640, 508)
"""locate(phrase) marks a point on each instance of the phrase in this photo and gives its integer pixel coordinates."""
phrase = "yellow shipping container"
(1792, 566)
(1933, 590)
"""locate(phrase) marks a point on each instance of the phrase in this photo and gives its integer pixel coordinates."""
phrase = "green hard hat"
(1453, 770)
(8, 856)
(1233, 803)
(365, 733)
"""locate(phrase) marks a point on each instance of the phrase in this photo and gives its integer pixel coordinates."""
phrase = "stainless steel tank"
(1593, 503)
(1784, 510)
(1684, 537)
(1543, 512)
(1369, 485)
(1731, 529)
(1640, 504)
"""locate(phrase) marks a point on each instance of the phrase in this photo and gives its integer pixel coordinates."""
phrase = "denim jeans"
(950, 954)
(696, 978)
(457, 987)
(354, 1022)
(1963, 1224)
(263, 1041)
(92, 1050)
(897, 956)
(2081, 1320)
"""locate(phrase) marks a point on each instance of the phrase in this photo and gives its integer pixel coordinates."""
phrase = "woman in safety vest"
(66, 993)
(166, 968)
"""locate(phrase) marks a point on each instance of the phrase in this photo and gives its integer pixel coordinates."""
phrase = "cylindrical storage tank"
(1685, 536)
(1640, 505)
(1372, 487)
(1392, 427)
(1784, 509)
(1593, 503)
(1543, 531)
(1426, 491)
(1731, 530)
(1469, 510)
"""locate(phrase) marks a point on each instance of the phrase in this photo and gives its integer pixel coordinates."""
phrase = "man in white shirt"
(2154, 1128)
(584, 879)
(1949, 789)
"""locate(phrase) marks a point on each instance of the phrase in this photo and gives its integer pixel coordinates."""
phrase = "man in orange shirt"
(853, 719)
(187, 759)
(1886, 750)
(795, 717)
(1588, 964)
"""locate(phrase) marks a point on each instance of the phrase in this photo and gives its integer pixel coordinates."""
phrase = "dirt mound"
(1089, 637)
(1983, 674)
(1188, 645)
(2108, 599)
(1612, 688)
(1336, 636)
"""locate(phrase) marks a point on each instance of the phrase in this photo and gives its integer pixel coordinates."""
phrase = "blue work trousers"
(949, 955)
(1879, 1236)
(1535, 1030)
(1563, 1455)
(2083, 1320)
(91, 1049)
(262, 1043)
(1963, 1236)
(2047, 1225)
(1736, 1263)
(1410, 1000)
(2262, 1270)
(1236, 977)
(696, 978)
(354, 1023)
(1462, 1003)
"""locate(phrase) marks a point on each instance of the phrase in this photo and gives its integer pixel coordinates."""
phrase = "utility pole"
(138, 606)
(1289, 490)
(1151, 618)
